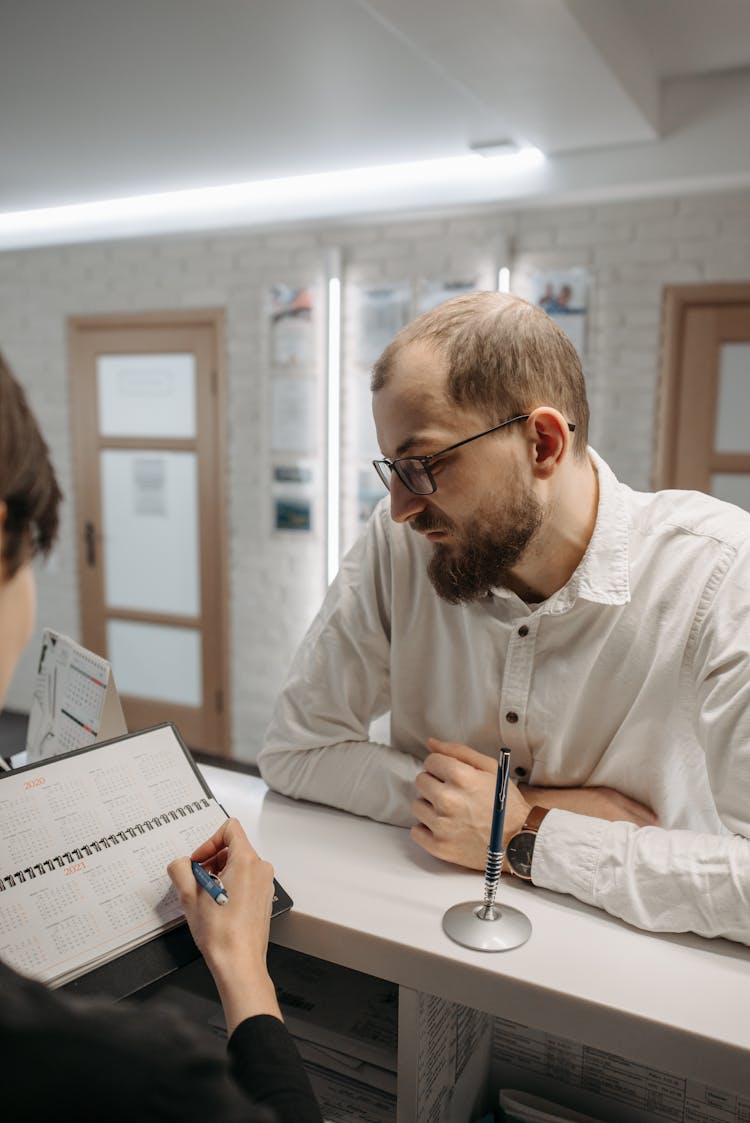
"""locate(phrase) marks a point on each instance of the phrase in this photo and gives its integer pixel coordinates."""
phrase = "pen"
(495, 852)
(501, 797)
(210, 883)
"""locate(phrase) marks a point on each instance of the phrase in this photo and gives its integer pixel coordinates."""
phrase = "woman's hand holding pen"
(234, 937)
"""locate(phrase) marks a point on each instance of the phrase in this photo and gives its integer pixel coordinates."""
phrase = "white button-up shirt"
(635, 675)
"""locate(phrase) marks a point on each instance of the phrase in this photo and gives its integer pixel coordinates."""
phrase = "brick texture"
(631, 250)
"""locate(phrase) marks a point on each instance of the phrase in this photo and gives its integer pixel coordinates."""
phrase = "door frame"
(678, 301)
(213, 539)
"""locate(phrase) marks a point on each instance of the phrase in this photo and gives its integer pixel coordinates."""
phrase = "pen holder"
(484, 925)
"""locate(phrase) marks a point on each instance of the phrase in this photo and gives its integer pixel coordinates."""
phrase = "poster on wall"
(432, 293)
(292, 513)
(293, 486)
(383, 311)
(293, 414)
(563, 294)
(292, 327)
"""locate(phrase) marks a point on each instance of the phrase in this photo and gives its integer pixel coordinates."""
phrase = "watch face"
(520, 852)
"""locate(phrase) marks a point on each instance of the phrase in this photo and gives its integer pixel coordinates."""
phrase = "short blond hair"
(504, 355)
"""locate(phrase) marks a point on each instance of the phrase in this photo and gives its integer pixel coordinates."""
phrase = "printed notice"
(594, 1081)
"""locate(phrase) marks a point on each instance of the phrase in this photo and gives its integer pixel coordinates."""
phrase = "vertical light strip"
(333, 417)
(503, 279)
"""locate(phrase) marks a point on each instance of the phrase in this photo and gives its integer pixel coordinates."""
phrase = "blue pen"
(495, 851)
(210, 883)
(501, 797)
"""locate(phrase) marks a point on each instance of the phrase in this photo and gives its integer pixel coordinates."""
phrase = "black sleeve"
(74, 1060)
(265, 1062)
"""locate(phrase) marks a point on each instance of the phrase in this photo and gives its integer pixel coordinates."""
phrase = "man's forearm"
(363, 777)
(659, 880)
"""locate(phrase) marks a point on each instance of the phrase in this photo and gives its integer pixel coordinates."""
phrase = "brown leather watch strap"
(534, 819)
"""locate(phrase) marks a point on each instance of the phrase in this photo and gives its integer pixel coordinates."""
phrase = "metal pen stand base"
(474, 924)
(485, 925)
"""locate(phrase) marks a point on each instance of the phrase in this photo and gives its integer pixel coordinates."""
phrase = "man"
(520, 596)
(76, 1060)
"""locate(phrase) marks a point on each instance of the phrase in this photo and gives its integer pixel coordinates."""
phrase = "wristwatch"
(520, 850)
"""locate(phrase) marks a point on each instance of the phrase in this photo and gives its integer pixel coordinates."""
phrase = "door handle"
(89, 534)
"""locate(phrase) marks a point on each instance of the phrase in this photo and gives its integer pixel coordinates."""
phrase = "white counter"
(366, 897)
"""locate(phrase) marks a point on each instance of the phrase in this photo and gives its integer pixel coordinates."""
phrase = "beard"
(492, 542)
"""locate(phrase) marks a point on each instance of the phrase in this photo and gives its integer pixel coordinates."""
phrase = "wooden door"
(704, 430)
(147, 400)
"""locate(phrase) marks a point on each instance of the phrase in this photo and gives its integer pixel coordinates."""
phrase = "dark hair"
(28, 485)
(504, 355)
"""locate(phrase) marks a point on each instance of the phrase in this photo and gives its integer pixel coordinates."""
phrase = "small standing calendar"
(75, 701)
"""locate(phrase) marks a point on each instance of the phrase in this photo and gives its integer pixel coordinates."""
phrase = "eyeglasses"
(414, 471)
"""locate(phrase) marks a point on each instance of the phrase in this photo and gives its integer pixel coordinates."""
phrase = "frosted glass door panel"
(151, 549)
(155, 661)
(732, 487)
(146, 395)
(732, 432)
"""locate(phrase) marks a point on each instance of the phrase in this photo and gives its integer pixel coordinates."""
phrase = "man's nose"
(405, 505)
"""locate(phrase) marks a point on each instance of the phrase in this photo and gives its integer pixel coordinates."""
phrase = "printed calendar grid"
(78, 853)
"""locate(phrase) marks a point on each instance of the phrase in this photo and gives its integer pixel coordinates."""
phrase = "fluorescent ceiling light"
(447, 181)
(333, 410)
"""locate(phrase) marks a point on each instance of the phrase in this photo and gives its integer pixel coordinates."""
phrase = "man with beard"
(515, 594)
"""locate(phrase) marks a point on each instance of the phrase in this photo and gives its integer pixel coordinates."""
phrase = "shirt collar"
(603, 573)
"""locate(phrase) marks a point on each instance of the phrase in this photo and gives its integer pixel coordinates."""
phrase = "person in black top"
(72, 1059)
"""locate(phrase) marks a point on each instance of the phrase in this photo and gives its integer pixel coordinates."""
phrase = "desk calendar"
(75, 701)
(85, 839)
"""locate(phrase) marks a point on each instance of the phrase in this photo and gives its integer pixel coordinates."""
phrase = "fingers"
(181, 875)
(454, 750)
(429, 786)
(424, 838)
(229, 835)
(228, 845)
(424, 812)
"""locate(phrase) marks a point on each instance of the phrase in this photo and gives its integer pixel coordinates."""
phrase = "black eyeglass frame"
(393, 465)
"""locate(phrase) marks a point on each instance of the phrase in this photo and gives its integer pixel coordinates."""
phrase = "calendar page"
(85, 840)
(75, 702)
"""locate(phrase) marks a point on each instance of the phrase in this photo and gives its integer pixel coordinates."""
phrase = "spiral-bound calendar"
(85, 840)
(75, 701)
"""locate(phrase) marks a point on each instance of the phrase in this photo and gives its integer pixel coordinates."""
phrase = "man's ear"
(549, 438)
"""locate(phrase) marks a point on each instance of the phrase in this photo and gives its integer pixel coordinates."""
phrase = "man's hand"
(233, 937)
(456, 796)
(600, 803)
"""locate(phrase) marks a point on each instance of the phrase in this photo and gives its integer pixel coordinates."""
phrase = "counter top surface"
(367, 897)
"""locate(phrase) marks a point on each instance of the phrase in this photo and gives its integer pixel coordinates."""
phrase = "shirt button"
(519, 771)
(523, 630)
(511, 716)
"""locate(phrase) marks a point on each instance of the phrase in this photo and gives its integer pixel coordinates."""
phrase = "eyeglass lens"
(412, 474)
(415, 476)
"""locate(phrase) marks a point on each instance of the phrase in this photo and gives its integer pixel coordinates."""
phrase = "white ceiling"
(108, 98)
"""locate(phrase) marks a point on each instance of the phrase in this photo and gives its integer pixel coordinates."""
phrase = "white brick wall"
(632, 249)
